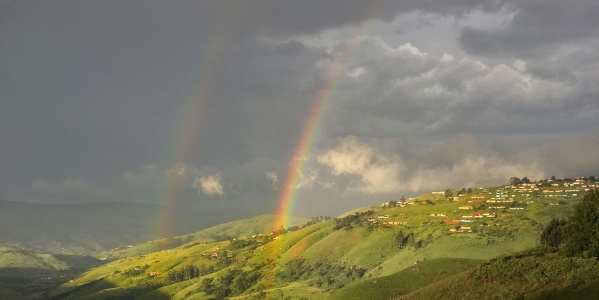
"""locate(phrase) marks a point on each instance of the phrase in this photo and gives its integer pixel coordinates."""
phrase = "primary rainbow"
(288, 197)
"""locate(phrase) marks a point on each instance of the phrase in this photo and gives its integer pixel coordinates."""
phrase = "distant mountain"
(96, 227)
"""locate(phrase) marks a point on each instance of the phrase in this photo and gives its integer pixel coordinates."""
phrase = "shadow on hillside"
(587, 291)
(37, 283)
(29, 283)
(104, 289)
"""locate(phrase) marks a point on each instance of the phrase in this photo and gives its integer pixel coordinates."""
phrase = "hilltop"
(446, 231)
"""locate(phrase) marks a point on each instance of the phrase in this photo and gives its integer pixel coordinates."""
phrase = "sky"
(203, 103)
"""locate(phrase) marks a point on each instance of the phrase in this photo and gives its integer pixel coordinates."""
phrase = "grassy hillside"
(533, 274)
(438, 235)
(407, 280)
(241, 228)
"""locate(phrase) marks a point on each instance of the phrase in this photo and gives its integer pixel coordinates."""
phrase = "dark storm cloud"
(93, 96)
(537, 28)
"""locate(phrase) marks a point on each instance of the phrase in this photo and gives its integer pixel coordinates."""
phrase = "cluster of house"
(479, 215)
(461, 229)
(395, 223)
(388, 223)
(214, 254)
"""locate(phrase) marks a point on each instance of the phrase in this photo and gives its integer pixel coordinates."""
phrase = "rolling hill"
(399, 247)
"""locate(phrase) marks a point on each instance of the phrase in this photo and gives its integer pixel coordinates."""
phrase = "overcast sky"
(204, 101)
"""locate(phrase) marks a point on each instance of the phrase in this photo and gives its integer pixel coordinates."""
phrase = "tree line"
(579, 235)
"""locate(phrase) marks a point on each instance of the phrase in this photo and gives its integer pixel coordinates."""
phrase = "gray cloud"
(537, 28)
(101, 100)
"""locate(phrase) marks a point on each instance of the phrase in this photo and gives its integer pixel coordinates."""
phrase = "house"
(461, 229)
(467, 207)
(393, 223)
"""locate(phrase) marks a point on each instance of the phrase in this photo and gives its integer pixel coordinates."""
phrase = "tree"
(515, 181)
(553, 234)
(582, 230)
(553, 178)
(592, 178)
(400, 240)
(469, 191)
(462, 191)
(411, 243)
(525, 180)
(207, 286)
(448, 193)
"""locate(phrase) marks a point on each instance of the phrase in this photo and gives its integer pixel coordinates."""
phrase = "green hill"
(438, 236)
(405, 281)
(527, 275)
(241, 228)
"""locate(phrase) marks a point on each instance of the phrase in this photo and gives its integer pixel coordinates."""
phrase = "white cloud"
(307, 180)
(209, 185)
(274, 178)
(179, 169)
(377, 172)
(469, 172)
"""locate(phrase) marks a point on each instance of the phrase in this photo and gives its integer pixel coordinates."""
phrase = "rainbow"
(311, 128)
(288, 197)
(188, 130)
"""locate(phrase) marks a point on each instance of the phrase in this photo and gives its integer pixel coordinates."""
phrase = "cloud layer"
(185, 103)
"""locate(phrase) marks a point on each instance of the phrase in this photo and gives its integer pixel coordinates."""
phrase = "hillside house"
(461, 229)
(393, 223)
(466, 207)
